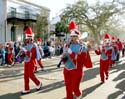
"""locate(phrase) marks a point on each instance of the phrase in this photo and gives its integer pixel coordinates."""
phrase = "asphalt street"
(11, 82)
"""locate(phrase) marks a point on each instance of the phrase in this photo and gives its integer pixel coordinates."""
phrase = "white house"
(15, 16)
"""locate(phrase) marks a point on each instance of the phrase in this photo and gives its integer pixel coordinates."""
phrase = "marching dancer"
(75, 57)
(30, 62)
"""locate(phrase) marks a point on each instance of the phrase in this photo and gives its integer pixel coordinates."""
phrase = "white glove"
(100, 47)
(23, 49)
(96, 46)
(69, 51)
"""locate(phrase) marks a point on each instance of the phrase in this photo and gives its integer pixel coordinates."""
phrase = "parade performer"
(10, 53)
(41, 53)
(116, 49)
(107, 54)
(75, 57)
(30, 62)
(120, 47)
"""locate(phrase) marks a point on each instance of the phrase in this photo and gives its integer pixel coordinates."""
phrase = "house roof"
(28, 2)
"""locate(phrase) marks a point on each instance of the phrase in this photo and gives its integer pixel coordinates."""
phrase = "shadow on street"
(11, 96)
(121, 85)
(90, 89)
(89, 74)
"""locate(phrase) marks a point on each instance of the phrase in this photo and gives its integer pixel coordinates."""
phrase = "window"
(27, 14)
(13, 12)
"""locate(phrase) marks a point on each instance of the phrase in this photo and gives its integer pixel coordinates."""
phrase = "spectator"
(120, 47)
(3, 52)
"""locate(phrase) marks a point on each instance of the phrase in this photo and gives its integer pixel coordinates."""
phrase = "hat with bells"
(73, 29)
(114, 39)
(107, 38)
(29, 33)
(39, 39)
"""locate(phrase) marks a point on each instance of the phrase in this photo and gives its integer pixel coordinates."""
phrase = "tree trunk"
(97, 37)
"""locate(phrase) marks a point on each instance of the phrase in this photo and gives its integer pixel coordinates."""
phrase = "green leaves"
(42, 25)
(95, 17)
(61, 27)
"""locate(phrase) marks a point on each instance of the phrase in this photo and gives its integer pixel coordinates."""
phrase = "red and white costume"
(116, 49)
(76, 57)
(10, 53)
(39, 60)
(106, 53)
(30, 63)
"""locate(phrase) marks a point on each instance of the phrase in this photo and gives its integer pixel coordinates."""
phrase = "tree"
(42, 25)
(61, 28)
(94, 17)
